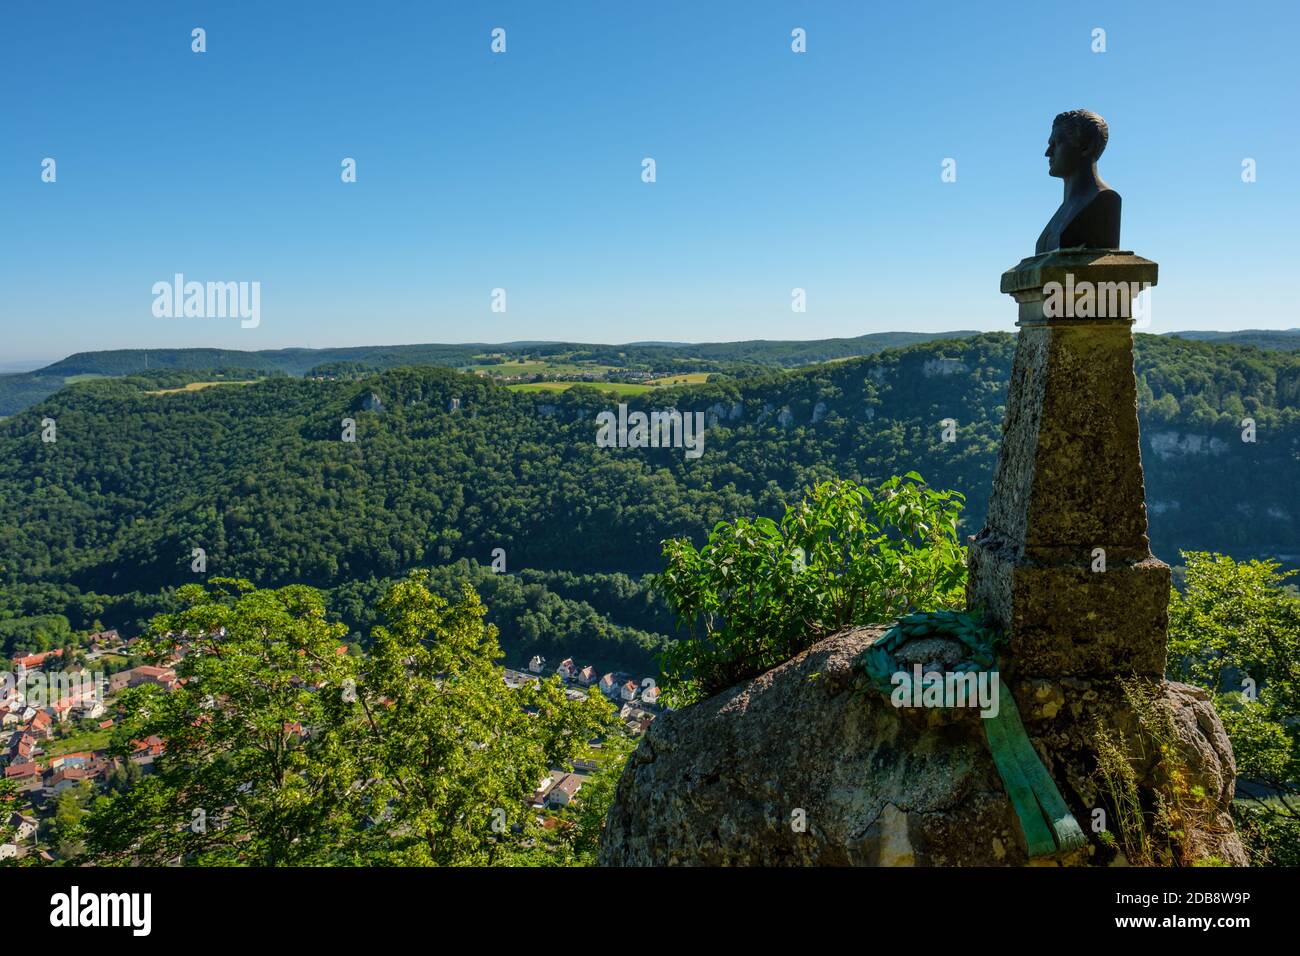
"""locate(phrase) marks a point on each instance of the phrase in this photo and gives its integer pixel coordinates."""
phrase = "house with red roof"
(28, 661)
(145, 752)
(41, 725)
(56, 781)
(163, 677)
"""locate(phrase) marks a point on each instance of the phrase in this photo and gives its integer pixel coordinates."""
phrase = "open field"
(527, 366)
(686, 378)
(616, 388)
(86, 740)
(193, 387)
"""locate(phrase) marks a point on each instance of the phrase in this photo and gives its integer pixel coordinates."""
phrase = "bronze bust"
(1089, 213)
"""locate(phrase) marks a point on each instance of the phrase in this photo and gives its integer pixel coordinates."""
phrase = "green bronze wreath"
(1044, 817)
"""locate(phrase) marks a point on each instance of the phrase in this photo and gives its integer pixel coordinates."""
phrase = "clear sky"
(522, 170)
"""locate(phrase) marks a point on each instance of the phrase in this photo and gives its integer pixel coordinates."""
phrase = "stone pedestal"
(1068, 496)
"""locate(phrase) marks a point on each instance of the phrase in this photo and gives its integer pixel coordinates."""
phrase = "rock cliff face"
(801, 767)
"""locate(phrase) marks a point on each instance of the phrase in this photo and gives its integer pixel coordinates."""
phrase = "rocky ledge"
(802, 766)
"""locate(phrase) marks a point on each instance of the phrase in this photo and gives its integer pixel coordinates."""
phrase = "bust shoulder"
(1095, 225)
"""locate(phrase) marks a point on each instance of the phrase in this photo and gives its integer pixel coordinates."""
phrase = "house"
(42, 724)
(587, 675)
(565, 789)
(609, 685)
(517, 679)
(145, 752)
(585, 765)
(28, 661)
(539, 795)
(565, 670)
(105, 724)
(628, 691)
(60, 780)
(78, 760)
(650, 695)
(536, 664)
(22, 748)
(102, 639)
(10, 695)
(24, 826)
(163, 677)
(62, 707)
(8, 851)
(22, 771)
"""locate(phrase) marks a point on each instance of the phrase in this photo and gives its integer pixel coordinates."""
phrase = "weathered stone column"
(1064, 564)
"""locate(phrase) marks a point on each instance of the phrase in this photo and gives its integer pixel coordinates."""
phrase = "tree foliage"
(758, 592)
(1235, 630)
(281, 750)
(452, 749)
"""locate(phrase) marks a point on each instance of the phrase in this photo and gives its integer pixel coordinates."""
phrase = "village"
(55, 727)
(57, 721)
(638, 705)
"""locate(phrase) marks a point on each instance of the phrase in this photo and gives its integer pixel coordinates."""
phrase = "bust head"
(1077, 141)
(1089, 213)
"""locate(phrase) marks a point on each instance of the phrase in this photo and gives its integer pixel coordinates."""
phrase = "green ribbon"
(1045, 820)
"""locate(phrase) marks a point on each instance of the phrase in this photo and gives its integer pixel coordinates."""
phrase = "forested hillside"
(1285, 339)
(96, 524)
(21, 390)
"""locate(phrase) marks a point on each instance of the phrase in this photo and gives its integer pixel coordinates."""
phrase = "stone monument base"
(1065, 619)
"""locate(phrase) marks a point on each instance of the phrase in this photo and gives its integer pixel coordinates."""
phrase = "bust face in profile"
(1089, 213)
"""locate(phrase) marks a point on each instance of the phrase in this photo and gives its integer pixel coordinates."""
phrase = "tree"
(284, 749)
(456, 752)
(259, 767)
(65, 830)
(1235, 630)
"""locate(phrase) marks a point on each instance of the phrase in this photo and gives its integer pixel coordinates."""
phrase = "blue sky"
(522, 170)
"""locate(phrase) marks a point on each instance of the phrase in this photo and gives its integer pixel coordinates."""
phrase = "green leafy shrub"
(759, 592)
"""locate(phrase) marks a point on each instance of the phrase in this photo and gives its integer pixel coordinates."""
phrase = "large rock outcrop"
(802, 766)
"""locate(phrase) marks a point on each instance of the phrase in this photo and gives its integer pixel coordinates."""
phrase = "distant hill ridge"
(19, 391)
(23, 389)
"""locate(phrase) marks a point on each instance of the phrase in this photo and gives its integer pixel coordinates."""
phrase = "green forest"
(100, 524)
